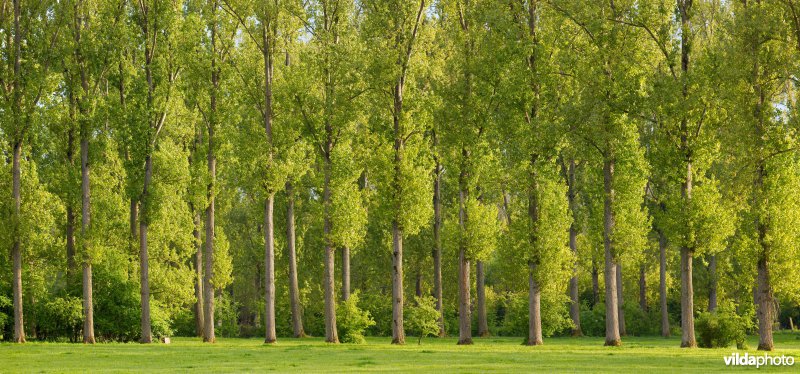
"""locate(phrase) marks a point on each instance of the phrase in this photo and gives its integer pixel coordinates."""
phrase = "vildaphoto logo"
(758, 361)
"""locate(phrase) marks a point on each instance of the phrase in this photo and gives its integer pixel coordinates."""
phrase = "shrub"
(352, 321)
(61, 316)
(722, 328)
(555, 316)
(593, 320)
(422, 319)
(380, 308)
(5, 303)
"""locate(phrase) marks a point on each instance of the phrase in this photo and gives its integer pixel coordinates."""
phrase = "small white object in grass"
(165, 340)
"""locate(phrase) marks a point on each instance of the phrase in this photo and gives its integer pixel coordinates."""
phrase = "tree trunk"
(764, 302)
(642, 289)
(199, 321)
(398, 332)
(687, 300)
(294, 288)
(662, 284)
(269, 272)
(712, 286)
(534, 309)
(16, 255)
(575, 303)
(483, 323)
(144, 265)
(437, 239)
(464, 312)
(620, 302)
(88, 305)
(209, 334)
(464, 308)
(331, 335)
(345, 273)
(612, 323)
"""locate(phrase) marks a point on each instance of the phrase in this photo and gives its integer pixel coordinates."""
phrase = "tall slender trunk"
(345, 273)
(398, 332)
(642, 289)
(612, 321)
(209, 334)
(712, 283)
(16, 255)
(199, 321)
(269, 271)
(575, 303)
(294, 288)
(464, 309)
(534, 309)
(464, 312)
(620, 301)
(662, 283)
(144, 265)
(687, 251)
(331, 335)
(88, 305)
(766, 307)
(483, 322)
(437, 239)
(687, 300)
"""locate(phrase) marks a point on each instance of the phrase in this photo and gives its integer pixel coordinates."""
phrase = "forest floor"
(494, 354)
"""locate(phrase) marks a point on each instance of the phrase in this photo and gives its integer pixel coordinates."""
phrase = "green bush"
(380, 308)
(722, 328)
(422, 318)
(555, 317)
(593, 320)
(5, 303)
(352, 320)
(59, 317)
(225, 316)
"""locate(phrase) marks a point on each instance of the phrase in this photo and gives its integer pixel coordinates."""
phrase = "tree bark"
(464, 312)
(331, 335)
(712, 286)
(483, 323)
(269, 272)
(612, 323)
(575, 303)
(687, 300)
(345, 273)
(765, 303)
(534, 309)
(620, 302)
(662, 284)
(209, 335)
(16, 255)
(88, 305)
(437, 239)
(144, 265)
(199, 321)
(294, 288)
(398, 332)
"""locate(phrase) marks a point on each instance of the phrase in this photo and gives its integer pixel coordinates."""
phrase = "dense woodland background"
(289, 167)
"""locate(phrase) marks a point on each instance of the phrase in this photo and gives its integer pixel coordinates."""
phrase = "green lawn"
(637, 355)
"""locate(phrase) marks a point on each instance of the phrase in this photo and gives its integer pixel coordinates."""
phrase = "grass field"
(637, 355)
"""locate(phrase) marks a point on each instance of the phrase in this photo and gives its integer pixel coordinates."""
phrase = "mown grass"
(311, 355)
